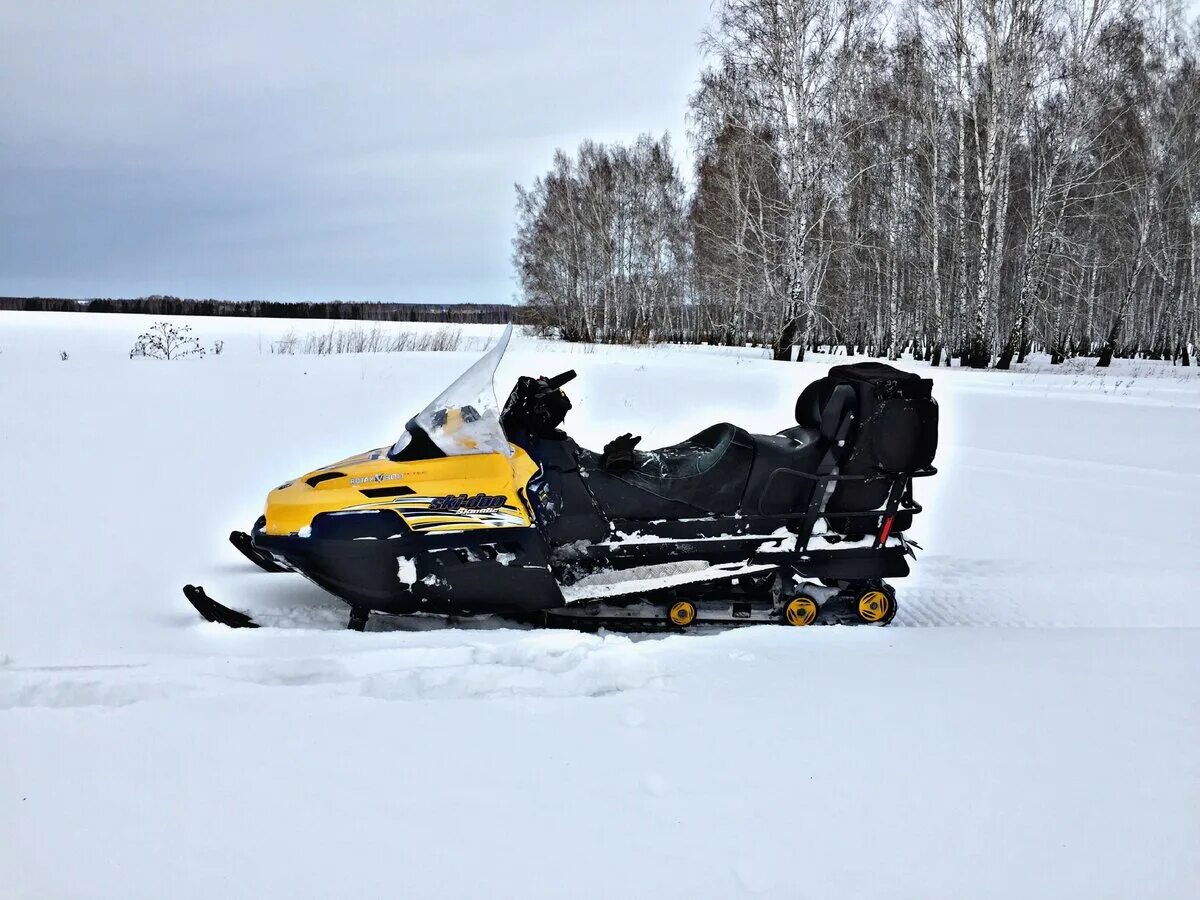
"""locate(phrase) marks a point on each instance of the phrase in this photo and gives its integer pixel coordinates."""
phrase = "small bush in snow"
(218, 346)
(286, 344)
(64, 355)
(167, 341)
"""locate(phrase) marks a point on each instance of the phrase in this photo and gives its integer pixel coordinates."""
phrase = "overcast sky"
(304, 150)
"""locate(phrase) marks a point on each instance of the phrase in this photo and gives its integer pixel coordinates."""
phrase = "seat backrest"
(810, 402)
(837, 415)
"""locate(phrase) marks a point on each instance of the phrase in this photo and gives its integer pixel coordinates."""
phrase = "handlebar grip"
(559, 380)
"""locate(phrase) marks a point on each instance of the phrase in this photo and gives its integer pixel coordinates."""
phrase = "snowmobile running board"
(242, 541)
(212, 611)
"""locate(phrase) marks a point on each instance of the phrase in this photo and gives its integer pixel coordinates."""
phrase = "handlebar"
(536, 405)
(559, 380)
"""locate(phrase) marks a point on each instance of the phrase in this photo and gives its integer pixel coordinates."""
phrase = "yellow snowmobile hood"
(451, 493)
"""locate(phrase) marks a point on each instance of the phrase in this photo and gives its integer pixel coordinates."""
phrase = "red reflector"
(887, 529)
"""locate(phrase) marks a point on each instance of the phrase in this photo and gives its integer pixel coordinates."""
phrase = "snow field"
(150, 754)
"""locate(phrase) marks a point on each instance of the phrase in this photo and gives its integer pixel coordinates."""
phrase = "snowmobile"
(478, 509)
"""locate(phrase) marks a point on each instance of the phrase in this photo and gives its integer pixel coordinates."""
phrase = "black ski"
(213, 611)
(241, 540)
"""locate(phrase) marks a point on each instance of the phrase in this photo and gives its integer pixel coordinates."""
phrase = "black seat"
(707, 473)
(778, 484)
(781, 482)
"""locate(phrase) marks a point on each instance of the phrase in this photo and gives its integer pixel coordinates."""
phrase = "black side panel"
(620, 499)
(565, 509)
(488, 570)
(478, 572)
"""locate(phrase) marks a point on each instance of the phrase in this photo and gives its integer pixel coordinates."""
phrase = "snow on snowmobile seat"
(707, 473)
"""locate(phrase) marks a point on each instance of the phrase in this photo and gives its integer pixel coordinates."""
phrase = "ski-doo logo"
(377, 477)
(455, 502)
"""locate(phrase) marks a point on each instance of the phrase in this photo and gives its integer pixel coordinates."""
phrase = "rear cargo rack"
(899, 498)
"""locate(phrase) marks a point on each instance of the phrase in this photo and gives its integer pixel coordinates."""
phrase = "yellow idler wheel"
(800, 611)
(682, 613)
(875, 606)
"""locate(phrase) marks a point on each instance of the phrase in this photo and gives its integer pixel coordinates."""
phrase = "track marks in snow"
(294, 672)
(551, 664)
(480, 659)
(942, 607)
(71, 693)
(949, 591)
(535, 664)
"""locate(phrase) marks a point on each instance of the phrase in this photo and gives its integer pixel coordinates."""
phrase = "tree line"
(962, 179)
(456, 313)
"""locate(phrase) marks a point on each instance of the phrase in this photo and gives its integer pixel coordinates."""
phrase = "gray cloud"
(307, 150)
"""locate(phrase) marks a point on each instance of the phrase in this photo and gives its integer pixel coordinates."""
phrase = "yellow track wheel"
(800, 611)
(874, 606)
(683, 612)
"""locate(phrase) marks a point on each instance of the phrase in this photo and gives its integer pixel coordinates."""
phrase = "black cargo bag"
(895, 432)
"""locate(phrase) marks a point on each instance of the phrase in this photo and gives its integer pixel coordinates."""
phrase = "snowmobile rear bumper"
(854, 563)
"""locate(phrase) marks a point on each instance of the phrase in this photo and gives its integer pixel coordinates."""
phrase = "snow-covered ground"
(1042, 740)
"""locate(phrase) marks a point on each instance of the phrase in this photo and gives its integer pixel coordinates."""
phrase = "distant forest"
(455, 313)
(950, 178)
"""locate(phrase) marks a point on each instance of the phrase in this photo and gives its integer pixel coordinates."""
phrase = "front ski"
(213, 611)
(242, 541)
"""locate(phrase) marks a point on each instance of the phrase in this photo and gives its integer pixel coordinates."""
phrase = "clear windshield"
(465, 417)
